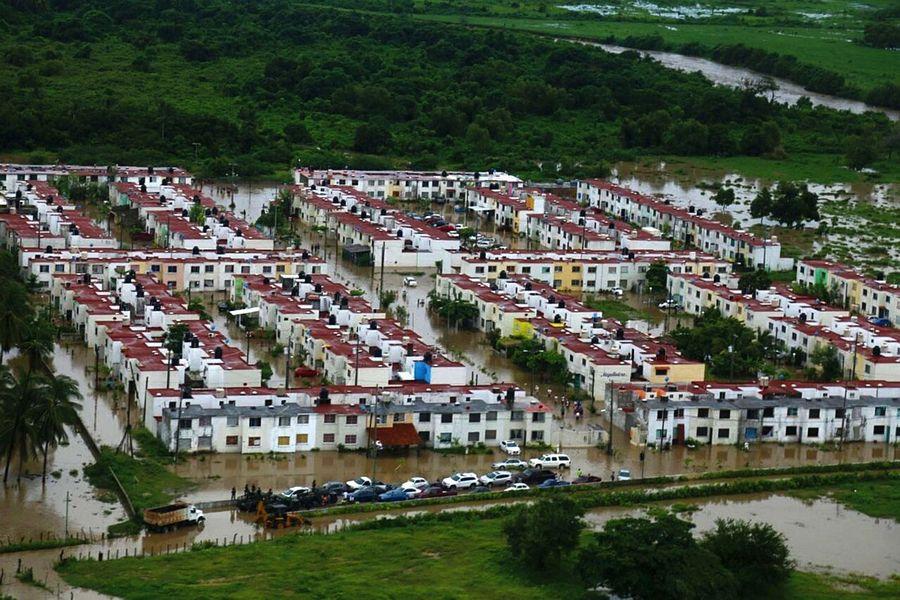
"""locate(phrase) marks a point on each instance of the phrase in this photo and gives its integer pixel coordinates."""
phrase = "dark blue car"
(551, 483)
(366, 494)
(394, 495)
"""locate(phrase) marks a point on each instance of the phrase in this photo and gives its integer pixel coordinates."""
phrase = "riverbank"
(445, 554)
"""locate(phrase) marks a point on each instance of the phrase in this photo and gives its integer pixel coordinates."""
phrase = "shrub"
(542, 534)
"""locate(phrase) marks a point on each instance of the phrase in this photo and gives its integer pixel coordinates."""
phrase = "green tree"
(372, 138)
(724, 196)
(654, 560)
(761, 205)
(15, 311)
(755, 554)
(17, 434)
(861, 151)
(755, 280)
(826, 358)
(657, 277)
(725, 344)
(794, 204)
(56, 409)
(544, 534)
(761, 138)
(197, 213)
(37, 340)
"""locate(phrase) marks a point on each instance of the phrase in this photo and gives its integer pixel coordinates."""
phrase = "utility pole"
(381, 279)
(178, 425)
(609, 407)
(851, 374)
(67, 514)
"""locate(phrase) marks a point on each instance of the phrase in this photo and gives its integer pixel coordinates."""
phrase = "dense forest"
(253, 85)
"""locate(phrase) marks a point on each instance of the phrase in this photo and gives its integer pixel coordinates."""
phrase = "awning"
(400, 434)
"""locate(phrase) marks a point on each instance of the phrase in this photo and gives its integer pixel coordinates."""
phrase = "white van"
(551, 461)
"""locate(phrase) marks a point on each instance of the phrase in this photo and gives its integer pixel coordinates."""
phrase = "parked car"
(417, 482)
(533, 476)
(460, 481)
(511, 447)
(617, 292)
(624, 475)
(436, 491)
(586, 479)
(358, 483)
(410, 490)
(551, 461)
(880, 321)
(295, 492)
(666, 304)
(551, 483)
(517, 487)
(496, 478)
(410, 282)
(333, 487)
(510, 463)
(305, 372)
(366, 494)
(480, 489)
(394, 495)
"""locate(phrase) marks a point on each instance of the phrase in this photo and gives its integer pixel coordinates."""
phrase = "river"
(786, 91)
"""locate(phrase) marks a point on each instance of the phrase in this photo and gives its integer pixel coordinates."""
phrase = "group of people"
(577, 408)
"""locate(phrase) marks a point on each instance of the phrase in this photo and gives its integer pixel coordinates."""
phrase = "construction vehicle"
(275, 516)
(172, 516)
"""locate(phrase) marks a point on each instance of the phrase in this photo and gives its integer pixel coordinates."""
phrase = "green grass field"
(874, 498)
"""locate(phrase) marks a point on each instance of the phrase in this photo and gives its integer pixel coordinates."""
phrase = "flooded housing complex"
(378, 380)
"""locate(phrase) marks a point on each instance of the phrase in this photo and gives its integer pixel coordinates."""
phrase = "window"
(284, 422)
(679, 413)
(703, 432)
(790, 430)
(303, 420)
(208, 269)
(253, 442)
(185, 423)
(814, 413)
(195, 269)
(284, 440)
(350, 439)
(474, 436)
(424, 417)
(812, 432)
(490, 434)
(880, 411)
(399, 417)
(474, 417)
(330, 418)
(723, 433)
(839, 413)
(491, 415)
(516, 434)
(702, 413)
(328, 438)
(768, 412)
(537, 436)
(792, 411)
(724, 414)
(661, 415)
(255, 421)
(444, 438)
(231, 421)
(302, 438)
(446, 418)
(352, 419)
(229, 268)
(231, 440)
(538, 417)
(172, 269)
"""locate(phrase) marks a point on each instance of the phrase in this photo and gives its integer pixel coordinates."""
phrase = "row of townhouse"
(560, 233)
(406, 185)
(202, 271)
(598, 351)
(685, 225)
(798, 412)
(385, 236)
(866, 295)
(151, 177)
(125, 327)
(581, 271)
(352, 417)
(20, 231)
(803, 323)
(166, 214)
(508, 210)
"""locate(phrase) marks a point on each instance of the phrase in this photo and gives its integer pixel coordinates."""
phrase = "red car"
(436, 491)
(305, 372)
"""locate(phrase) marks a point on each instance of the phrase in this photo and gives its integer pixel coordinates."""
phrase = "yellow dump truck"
(167, 518)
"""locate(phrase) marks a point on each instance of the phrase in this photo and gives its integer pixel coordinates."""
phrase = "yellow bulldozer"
(276, 516)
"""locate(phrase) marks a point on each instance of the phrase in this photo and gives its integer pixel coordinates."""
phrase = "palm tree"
(15, 310)
(36, 344)
(19, 396)
(56, 409)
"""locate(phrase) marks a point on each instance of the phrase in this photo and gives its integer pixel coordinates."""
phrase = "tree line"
(252, 87)
(37, 406)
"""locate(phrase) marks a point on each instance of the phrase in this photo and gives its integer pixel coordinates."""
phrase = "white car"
(511, 447)
(551, 461)
(517, 487)
(411, 490)
(617, 292)
(460, 481)
(665, 304)
(624, 475)
(410, 282)
(496, 478)
(295, 492)
(358, 483)
(420, 483)
(509, 463)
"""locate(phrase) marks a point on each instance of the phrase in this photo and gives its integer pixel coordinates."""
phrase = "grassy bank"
(821, 586)
(874, 498)
(442, 555)
(616, 309)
